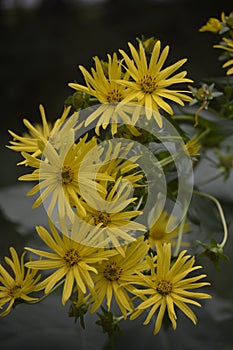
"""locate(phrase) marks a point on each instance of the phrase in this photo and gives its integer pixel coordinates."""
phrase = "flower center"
(148, 84)
(157, 234)
(164, 287)
(67, 175)
(15, 292)
(72, 257)
(112, 271)
(114, 96)
(102, 218)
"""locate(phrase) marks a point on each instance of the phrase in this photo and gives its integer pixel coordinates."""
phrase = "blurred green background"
(41, 47)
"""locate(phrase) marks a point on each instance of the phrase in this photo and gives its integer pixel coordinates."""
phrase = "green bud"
(205, 93)
(79, 100)
(108, 322)
(148, 43)
(78, 311)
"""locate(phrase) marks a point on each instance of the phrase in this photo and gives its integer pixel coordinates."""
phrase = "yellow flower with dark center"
(168, 287)
(117, 277)
(103, 85)
(101, 218)
(149, 85)
(28, 142)
(158, 228)
(71, 260)
(227, 46)
(59, 176)
(113, 218)
(19, 288)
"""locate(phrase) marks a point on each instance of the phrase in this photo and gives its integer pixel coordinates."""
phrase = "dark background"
(40, 50)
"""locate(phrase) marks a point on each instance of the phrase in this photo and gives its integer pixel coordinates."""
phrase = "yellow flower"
(28, 142)
(117, 277)
(192, 147)
(118, 162)
(213, 25)
(104, 87)
(127, 169)
(228, 46)
(114, 223)
(14, 290)
(72, 261)
(150, 82)
(216, 26)
(168, 287)
(158, 228)
(59, 176)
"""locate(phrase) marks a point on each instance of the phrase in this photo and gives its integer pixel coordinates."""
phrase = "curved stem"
(225, 231)
(203, 105)
(46, 295)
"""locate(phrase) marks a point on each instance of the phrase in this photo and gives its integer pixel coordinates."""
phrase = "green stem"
(179, 238)
(183, 117)
(46, 295)
(119, 318)
(225, 231)
(202, 134)
(167, 160)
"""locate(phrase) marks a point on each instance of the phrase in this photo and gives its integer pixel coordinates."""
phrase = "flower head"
(213, 25)
(117, 277)
(192, 147)
(17, 289)
(59, 176)
(158, 228)
(168, 287)
(71, 260)
(28, 142)
(149, 81)
(113, 218)
(102, 84)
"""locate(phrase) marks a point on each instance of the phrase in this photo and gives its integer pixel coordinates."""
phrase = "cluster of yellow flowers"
(95, 247)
